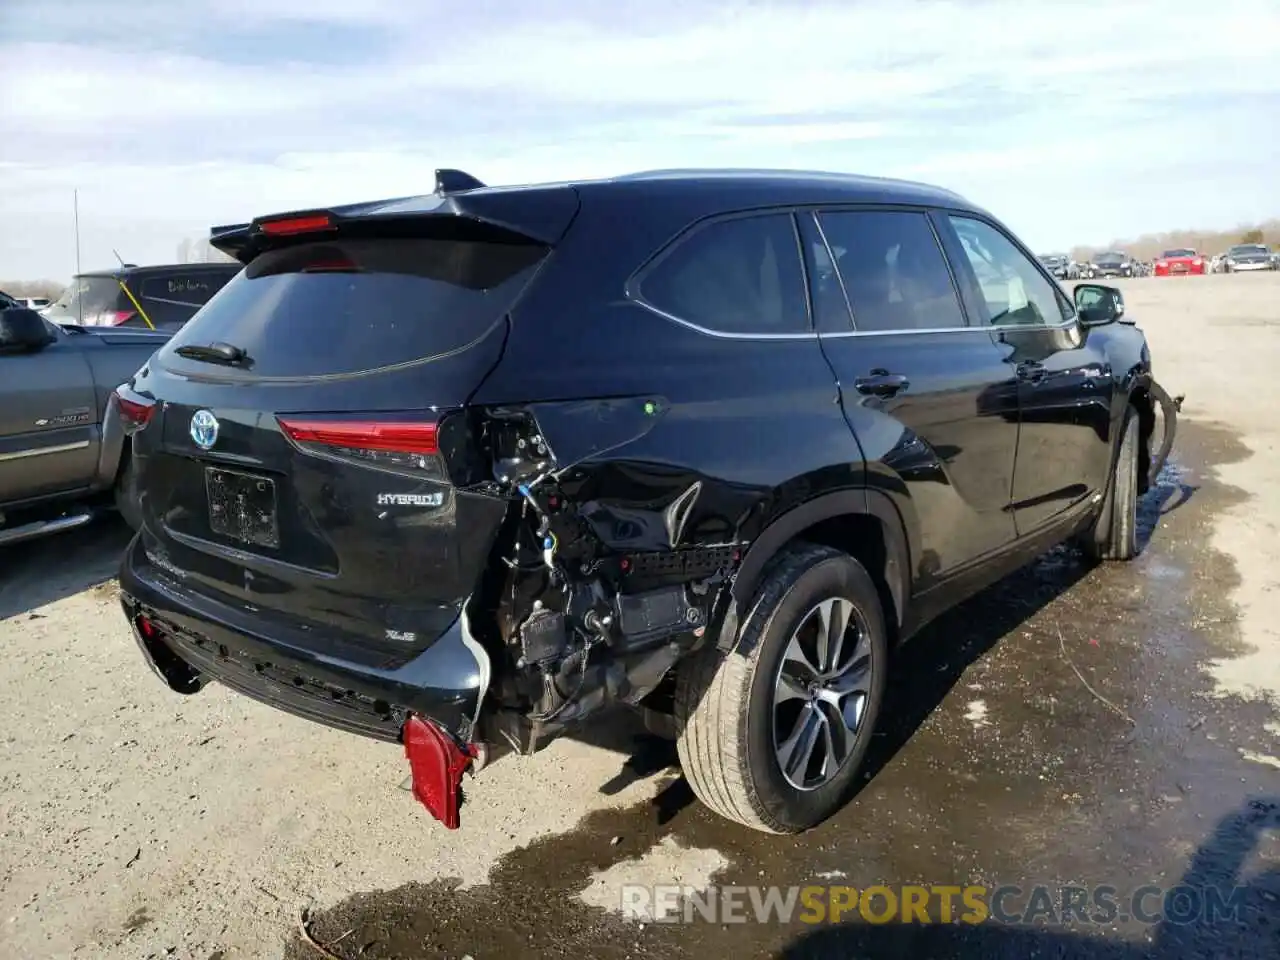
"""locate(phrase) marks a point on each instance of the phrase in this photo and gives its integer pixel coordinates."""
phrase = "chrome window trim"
(41, 451)
(632, 294)
(813, 335)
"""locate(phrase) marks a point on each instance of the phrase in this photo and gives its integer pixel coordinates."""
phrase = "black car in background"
(1058, 264)
(462, 470)
(152, 297)
(1113, 263)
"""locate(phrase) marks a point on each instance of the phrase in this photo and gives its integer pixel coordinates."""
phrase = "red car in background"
(1174, 263)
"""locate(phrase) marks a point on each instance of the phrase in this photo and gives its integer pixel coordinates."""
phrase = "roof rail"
(453, 181)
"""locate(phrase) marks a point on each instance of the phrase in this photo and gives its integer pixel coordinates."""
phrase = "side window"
(734, 276)
(1014, 291)
(893, 270)
(187, 290)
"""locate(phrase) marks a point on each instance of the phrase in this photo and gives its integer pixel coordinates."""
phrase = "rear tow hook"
(436, 764)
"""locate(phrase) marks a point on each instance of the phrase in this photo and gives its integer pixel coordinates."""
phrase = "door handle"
(1030, 370)
(881, 383)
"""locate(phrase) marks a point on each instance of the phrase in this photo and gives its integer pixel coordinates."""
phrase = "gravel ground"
(1112, 725)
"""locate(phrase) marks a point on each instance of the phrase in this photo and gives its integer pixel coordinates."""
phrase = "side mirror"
(1097, 305)
(23, 331)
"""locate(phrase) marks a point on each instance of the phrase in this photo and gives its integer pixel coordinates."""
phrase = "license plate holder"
(242, 507)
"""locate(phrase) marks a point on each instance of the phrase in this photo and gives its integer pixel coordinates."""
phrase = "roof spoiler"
(540, 213)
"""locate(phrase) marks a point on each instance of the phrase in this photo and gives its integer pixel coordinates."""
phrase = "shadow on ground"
(39, 572)
(1245, 924)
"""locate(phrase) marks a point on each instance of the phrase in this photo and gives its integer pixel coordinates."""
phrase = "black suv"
(153, 297)
(463, 469)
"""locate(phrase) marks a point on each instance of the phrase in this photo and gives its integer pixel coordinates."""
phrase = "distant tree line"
(33, 288)
(1208, 242)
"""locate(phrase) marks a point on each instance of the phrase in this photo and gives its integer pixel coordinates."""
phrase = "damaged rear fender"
(862, 523)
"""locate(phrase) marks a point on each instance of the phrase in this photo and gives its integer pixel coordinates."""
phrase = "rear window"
(184, 289)
(738, 276)
(347, 306)
(86, 298)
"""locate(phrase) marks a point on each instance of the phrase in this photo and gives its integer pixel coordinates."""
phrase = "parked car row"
(1182, 261)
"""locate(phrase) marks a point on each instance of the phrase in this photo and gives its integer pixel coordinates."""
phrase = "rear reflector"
(437, 763)
(290, 226)
(365, 435)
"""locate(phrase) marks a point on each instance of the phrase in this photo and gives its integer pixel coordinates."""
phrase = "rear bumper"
(1259, 265)
(190, 639)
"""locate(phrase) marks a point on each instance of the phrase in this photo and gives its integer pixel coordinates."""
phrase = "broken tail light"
(405, 446)
(135, 410)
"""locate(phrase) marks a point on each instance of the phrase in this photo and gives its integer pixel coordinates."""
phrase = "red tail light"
(398, 444)
(365, 434)
(109, 318)
(290, 226)
(136, 410)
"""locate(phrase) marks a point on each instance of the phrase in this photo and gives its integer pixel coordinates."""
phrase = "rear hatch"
(320, 482)
(93, 301)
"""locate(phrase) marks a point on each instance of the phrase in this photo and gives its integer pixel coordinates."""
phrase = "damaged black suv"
(461, 470)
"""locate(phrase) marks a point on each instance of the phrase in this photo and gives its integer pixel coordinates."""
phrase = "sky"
(1074, 122)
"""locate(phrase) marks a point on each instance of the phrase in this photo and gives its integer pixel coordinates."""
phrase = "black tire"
(725, 703)
(126, 494)
(1115, 533)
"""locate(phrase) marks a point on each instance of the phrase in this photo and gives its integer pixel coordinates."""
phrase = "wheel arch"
(1136, 394)
(863, 523)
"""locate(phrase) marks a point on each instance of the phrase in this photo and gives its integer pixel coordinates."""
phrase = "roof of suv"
(767, 186)
(133, 270)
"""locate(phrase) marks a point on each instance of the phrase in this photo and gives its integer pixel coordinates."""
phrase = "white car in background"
(34, 303)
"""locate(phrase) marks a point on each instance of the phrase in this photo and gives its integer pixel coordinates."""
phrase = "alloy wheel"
(820, 694)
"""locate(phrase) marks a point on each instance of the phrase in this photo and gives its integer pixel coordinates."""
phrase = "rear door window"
(733, 276)
(347, 306)
(893, 270)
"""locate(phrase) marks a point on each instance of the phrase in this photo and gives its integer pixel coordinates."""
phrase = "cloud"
(170, 116)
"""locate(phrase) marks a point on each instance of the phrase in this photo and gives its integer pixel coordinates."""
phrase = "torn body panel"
(607, 572)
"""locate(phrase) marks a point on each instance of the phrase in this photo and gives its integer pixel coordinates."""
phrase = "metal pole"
(75, 199)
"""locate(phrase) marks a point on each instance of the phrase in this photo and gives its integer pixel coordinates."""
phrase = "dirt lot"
(1113, 726)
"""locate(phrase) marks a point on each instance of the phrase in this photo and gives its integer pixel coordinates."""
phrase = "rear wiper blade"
(216, 352)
